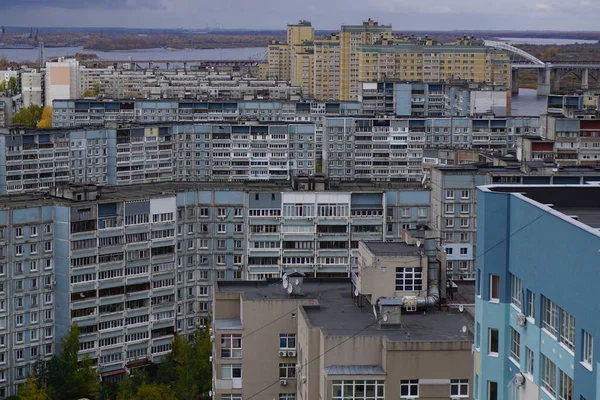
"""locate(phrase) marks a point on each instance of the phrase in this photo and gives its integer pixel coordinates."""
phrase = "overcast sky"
(324, 14)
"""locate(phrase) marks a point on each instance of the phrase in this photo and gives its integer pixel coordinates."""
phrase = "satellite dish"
(355, 292)
(285, 283)
(385, 317)
(418, 243)
(297, 282)
(290, 288)
(464, 329)
(461, 308)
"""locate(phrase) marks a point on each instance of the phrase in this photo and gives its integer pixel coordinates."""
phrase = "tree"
(13, 84)
(2, 86)
(126, 390)
(32, 390)
(28, 117)
(154, 391)
(88, 93)
(64, 376)
(97, 89)
(46, 119)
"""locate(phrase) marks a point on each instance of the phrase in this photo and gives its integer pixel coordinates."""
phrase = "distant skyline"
(324, 14)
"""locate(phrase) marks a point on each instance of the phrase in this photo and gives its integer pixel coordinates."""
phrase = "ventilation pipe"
(433, 289)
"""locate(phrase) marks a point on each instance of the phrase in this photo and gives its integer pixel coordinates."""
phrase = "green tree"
(126, 390)
(28, 117)
(154, 391)
(12, 84)
(32, 390)
(97, 89)
(88, 93)
(2, 86)
(64, 376)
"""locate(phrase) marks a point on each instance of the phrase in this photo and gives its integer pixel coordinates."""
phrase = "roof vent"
(292, 283)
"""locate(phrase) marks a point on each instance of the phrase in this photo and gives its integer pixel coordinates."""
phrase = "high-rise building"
(327, 75)
(61, 80)
(536, 310)
(32, 88)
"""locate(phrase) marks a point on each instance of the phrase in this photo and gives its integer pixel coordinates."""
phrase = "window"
(495, 288)
(530, 304)
(231, 371)
(516, 291)
(587, 356)
(287, 396)
(19, 232)
(464, 222)
(449, 194)
(565, 389)
(493, 342)
(464, 209)
(221, 228)
(409, 388)
(529, 361)
(492, 390)
(449, 222)
(231, 346)
(287, 371)
(567, 330)
(409, 279)
(450, 208)
(464, 194)
(459, 388)
(358, 390)
(515, 345)
(550, 313)
(287, 340)
(231, 397)
(548, 377)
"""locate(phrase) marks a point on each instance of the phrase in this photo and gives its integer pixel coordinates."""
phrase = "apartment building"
(131, 265)
(327, 62)
(458, 99)
(72, 113)
(32, 88)
(387, 148)
(302, 66)
(575, 105)
(281, 57)
(39, 159)
(575, 140)
(454, 203)
(61, 80)
(278, 61)
(325, 339)
(534, 339)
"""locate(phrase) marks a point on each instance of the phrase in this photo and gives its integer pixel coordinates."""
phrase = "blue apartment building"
(537, 273)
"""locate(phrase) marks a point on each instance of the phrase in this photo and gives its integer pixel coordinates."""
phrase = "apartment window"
(409, 279)
(550, 312)
(287, 341)
(548, 377)
(231, 371)
(529, 361)
(464, 194)
(422, 212)
(221, 259)
(33, 231)
(409, 389)
(495, 288)
(464, 222)
(464, 209)
(287, 371)
(587, 356)
(286, 396)
(47, 229)
(449, 222)
(492, 390)
(493, 342)
(231, 346)
(19, 232)
(449, 194)
(567, 330)
(231, 397)
(565, 388)
(450, 208)
(405, 212)
(530, 304)
(459, 388)
(516, 291)
(515, 345)
(221, 228)
(221, 212)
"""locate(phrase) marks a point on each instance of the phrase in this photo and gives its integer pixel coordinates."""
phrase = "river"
(546, 41)
(528, 103)
(24, 55)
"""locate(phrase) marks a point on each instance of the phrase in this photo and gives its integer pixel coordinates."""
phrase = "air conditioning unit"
(519, 379)
(521, 320)
(283, 382)
(283, 353)
(291, 353)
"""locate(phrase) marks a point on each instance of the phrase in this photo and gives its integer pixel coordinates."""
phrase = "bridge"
(550, 72)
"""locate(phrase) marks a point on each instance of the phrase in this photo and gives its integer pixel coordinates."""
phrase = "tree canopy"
(46, 118)
(28, 117)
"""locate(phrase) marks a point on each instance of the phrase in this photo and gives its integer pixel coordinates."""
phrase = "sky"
(324, 14)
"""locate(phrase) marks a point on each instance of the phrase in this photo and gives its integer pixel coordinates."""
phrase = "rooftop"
(338, 315)
(579, 202)
(392, 249)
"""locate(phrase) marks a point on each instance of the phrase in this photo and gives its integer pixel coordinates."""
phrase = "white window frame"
(587, 353)
(548, 376)
(529, 362)
(449, 195)
(409, 385)
(490, 352)
(550, 317)
(515, 346)
(494, 299)
(516, 291)
(229, 346)
(567, 331)
(459, 385)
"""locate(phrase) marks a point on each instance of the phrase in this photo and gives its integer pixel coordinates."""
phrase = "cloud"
(325, 15)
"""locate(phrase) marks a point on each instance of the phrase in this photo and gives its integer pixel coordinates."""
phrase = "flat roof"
(392, 249)
(579, 202)
(338, 315)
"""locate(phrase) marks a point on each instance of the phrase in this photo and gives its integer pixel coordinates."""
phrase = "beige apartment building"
(369, 52)
(311, 338)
